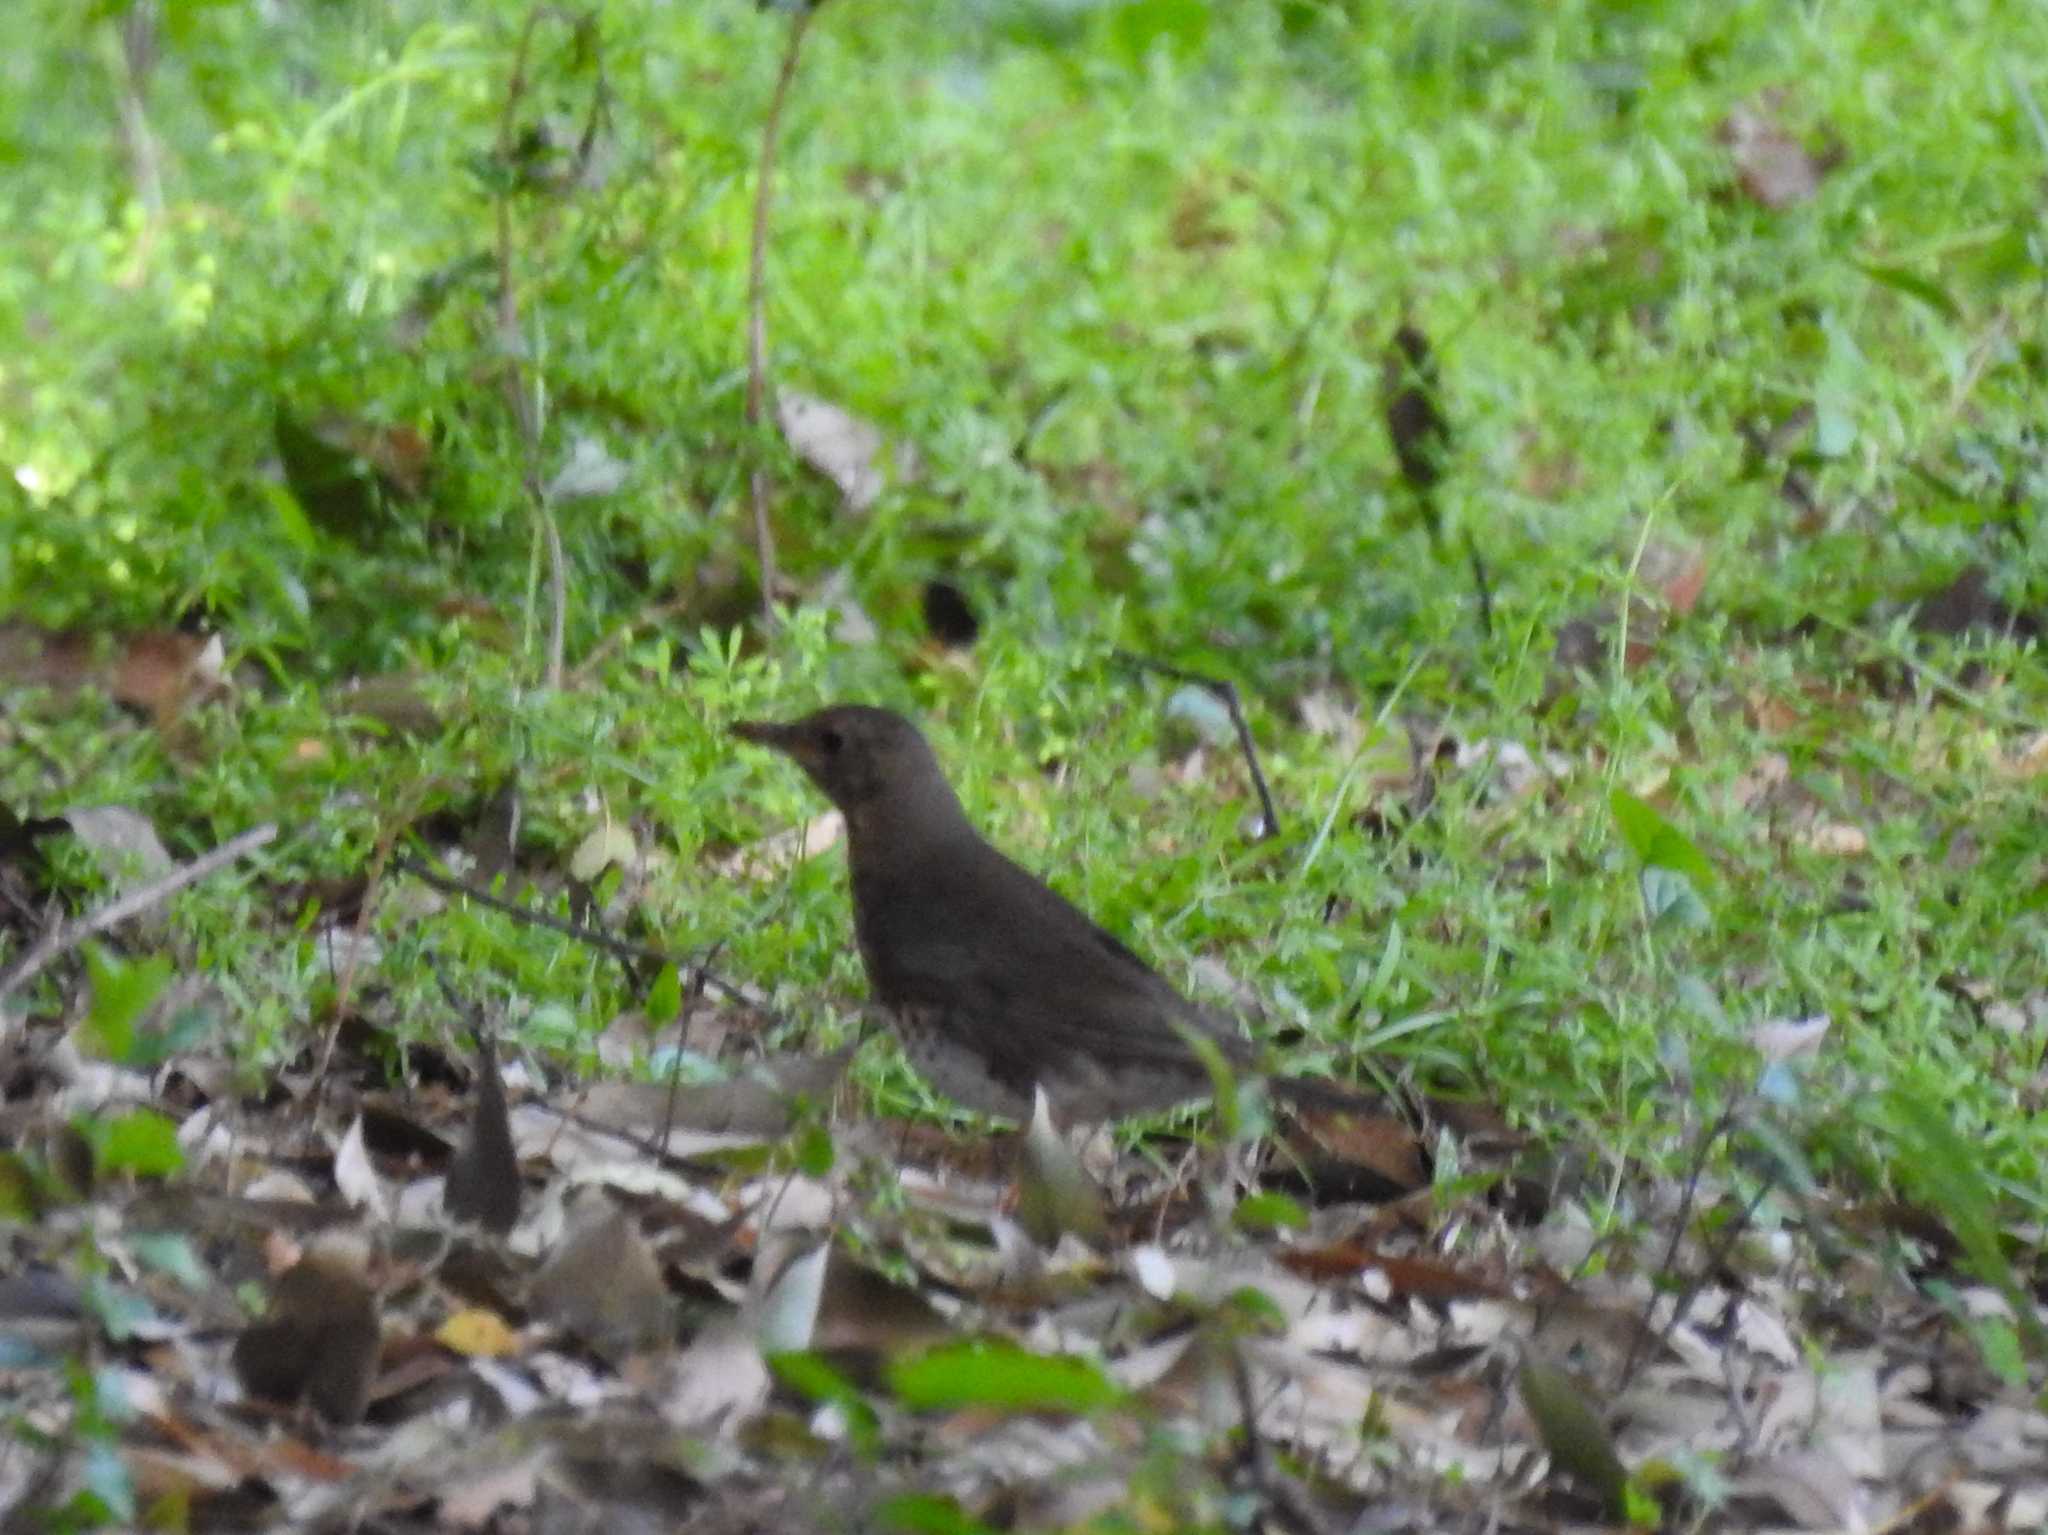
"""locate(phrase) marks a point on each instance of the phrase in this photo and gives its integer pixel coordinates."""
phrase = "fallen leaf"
(1055, 1195)
(482, 1182)
(771, 856)
(356, 1178)
(319, 1339)
(1835, 839)
(589, 472)
(1793, 1040)
(1772, 166)
(604, 1285)
(836, 443)
(478, 1334)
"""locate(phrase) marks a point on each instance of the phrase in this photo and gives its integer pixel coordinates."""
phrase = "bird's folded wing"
(1023, 974)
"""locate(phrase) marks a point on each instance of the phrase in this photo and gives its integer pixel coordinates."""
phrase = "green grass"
(1193, 256)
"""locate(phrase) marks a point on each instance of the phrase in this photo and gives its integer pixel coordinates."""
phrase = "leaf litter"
(626, 1301)
(355, 1297)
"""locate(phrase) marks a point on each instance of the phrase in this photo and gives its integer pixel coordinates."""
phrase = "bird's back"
(1037, 987)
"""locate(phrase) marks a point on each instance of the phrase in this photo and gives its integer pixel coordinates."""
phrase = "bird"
(995, 983)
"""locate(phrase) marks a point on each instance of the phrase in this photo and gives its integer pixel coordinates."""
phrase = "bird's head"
(866, 760)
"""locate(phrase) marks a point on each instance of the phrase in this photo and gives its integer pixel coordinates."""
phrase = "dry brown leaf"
(356, 1178)
(482, 1181)
(1835, 839)
(1772, 165)
(2030, 761)
(604, 1285)
(1789, 1041)
(1676, 572)
(771, 856)
(838, 444)
(319, 1340)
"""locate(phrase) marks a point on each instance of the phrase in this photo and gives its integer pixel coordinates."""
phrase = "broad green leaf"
(665, 999)
(991, 1373)
(122, 991)
(143, 1142)
(1654, 840)
(1914, 286)
(1574, 1433)
(1268, 1212)
(928, 1513)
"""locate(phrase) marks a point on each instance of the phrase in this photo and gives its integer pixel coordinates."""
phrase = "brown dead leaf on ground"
(160, 672)
(849, 451)
(713, 1307)
(1773, 166)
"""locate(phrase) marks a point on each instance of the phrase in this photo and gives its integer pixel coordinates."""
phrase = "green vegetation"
(1122, 274)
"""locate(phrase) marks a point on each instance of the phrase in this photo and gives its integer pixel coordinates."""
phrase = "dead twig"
(1225, 693)
(1289, 1510)
(757, 309)
(63, 938)
(1680, 1223)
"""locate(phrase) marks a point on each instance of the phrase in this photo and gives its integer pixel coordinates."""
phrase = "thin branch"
(757, 310)
(1480, 584)
(1282, 1499)
(67, 936)
(1225, 693)
(526, 404)
(698, 977)
(1680, 1223)
(137, 48)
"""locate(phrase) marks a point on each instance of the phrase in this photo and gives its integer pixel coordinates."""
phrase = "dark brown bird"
(994, 981)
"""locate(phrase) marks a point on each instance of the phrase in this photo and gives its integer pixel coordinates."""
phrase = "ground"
(386, 452)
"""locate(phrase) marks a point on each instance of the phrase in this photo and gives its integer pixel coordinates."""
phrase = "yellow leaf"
(478, 1334)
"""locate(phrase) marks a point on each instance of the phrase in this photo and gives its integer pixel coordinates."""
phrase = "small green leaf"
(1136, 27)
(1574, 1433)
(665, 999)
(1914, 286)
(21, 1197)
(143, 1142)
(928, 1513)
(1654, 840)
(1668, 896)
(122, 991)
(815, 1151)
(989, 1373)
(1947, 1171)
(1230, 1117)
(1268, 1212)
(811, 1376)
(120, 1311)
(1834, 427)
(105, 1476)
(172, 1253)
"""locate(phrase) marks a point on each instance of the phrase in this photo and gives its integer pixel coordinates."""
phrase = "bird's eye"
(830, 741)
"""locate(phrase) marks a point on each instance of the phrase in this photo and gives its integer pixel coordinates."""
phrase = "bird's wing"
(1023, 973)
